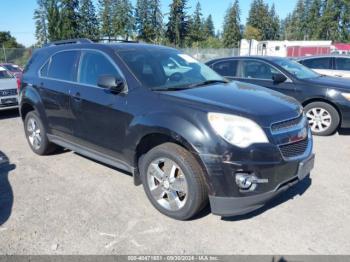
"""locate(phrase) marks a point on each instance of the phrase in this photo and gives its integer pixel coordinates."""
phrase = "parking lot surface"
(68, 204)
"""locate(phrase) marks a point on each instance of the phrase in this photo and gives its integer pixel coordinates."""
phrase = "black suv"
(183, 131)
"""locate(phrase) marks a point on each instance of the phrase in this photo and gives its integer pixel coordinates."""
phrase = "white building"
(284, 48)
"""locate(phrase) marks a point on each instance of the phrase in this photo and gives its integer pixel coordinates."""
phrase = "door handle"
(77, 97)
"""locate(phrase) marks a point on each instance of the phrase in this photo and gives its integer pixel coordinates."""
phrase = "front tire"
(173, 181)
(323, 118)
(36, 135)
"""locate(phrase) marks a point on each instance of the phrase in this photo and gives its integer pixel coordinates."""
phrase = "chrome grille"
(8, 92)
(280, 126)
(294, 149)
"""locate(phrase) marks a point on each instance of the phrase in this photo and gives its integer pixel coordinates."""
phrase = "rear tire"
(323, 118)
(36, 135)
(173, 181)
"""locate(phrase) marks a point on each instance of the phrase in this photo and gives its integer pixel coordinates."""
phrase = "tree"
(331, 20)
(148, 20)
(105, 17)
(313, 20)
(54, 24)
(196, 26)
(69, 19)
(142, 20)
(156, 20)
(209, 29)
(259, 18)
(274, 25)
(8, 41)
(122, 18)
(177, 25)
(88, 23)
(40, 17)
(252, 33)
(232, 27)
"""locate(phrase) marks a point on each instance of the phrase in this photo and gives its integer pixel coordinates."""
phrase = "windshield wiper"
(208, 82)
(183, 87)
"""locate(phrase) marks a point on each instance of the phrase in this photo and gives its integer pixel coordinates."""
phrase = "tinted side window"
(63, 65)
(318, 63)
(93, 65)
(226, 68)
(257, 70)
(44, 69)
(342, 64)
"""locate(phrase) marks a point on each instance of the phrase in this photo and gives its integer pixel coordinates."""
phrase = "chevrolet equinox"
(181, 130)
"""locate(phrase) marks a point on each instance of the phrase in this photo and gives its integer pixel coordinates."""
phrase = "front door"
(261, 73)
(100, 115)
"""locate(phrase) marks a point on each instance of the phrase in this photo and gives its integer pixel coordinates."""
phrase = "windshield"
(298, 70)
(4, 74)
(12, 68)
(165, 69)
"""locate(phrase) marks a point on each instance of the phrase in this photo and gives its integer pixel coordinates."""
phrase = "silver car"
(8, 90)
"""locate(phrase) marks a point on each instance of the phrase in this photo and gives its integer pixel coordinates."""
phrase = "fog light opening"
(244, 180)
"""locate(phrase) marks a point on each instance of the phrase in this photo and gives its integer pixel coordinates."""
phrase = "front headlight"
(346, 96)
(236, 130)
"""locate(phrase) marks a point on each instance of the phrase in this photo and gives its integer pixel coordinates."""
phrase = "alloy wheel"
(319, 119)
(34, 133)
(167, 184)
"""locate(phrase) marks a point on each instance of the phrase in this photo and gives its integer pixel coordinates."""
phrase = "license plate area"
(305, 167)
(6, 101)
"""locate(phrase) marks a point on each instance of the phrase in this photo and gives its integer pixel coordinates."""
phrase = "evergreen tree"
(209, 29)
(345, 22)
(232, 27)
(105, 17)
(69, 19)
(149, 20)
(88, 23)
(259, 18)
(274, 25)
(122, 18)
(156, 20)
(177, 25)
(196, 26)
(54, 23)
(40, 17)
(313, 20)
(142, 20)
(331, 20)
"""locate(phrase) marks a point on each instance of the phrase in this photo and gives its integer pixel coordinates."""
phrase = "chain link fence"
(20, 56)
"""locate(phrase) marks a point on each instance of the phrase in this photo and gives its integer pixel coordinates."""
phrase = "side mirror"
(279, 78)
(111, 82)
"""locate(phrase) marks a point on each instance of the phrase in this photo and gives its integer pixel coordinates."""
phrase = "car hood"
(260, 104)
(9, 83)
(332, 82)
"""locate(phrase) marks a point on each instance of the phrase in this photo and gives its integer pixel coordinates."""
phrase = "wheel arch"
(156, 138)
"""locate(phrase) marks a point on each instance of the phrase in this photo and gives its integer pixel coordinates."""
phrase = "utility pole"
(3, 48)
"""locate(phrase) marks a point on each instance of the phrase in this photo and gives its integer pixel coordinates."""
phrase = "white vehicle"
(332, 65)
(8, 90)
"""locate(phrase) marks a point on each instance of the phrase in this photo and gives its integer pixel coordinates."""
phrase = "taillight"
(18, 84)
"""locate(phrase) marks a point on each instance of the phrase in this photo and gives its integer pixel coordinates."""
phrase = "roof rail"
(111, 40)
(70, 41)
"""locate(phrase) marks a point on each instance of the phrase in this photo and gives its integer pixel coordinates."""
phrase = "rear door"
(226, 68)
(321, 65)
(342, 67)
(57, 77)
(100, 118)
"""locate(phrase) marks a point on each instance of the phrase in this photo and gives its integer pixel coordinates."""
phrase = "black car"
(326, 100)
(183, 131)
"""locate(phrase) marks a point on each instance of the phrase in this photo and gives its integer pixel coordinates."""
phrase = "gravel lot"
(68, 204)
